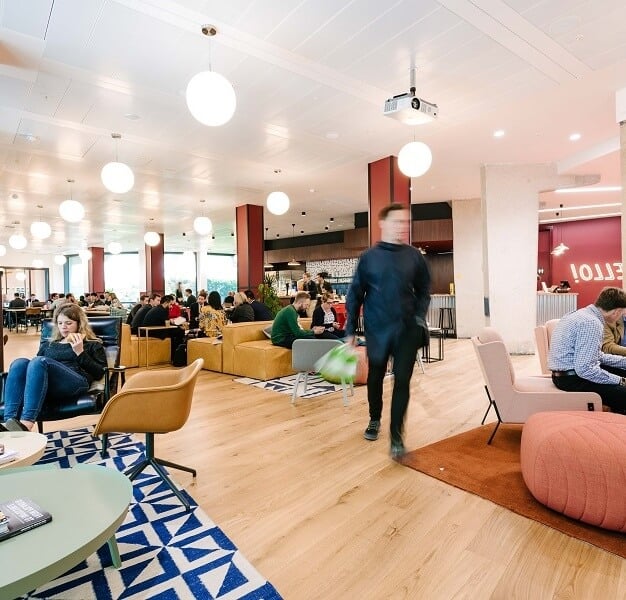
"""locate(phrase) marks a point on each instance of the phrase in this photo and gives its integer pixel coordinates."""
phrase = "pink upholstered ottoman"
(575, 463)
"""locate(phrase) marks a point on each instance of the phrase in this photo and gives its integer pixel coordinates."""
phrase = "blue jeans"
(31, 382)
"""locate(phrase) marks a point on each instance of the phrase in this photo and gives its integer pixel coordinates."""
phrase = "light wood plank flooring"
(322, 513)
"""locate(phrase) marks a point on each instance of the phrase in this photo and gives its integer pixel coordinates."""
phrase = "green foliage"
(268, 295)
(221, 286)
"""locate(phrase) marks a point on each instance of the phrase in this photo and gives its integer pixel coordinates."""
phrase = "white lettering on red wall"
(596, 272)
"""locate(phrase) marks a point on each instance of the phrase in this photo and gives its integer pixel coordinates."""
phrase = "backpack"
(180, 356)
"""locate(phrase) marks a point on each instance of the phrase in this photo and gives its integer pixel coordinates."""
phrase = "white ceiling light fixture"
(277, 202)
(18, 241)
(116, 176)
(71, 210)
(210, 96)
(85, 254)
(40, 229)
(60, 259)
(414, 159)
(202, 225)
(152, 238)
(114, 248)
(3, 250)
(498, 133)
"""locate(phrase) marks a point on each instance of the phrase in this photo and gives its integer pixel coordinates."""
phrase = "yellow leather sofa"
(245, 351)
(133, 350)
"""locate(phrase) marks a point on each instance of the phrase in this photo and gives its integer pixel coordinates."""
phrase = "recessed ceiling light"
(312, 190)
(132, 116)
(574, 137)
(498, 133)
(332, 135)
(29, 137)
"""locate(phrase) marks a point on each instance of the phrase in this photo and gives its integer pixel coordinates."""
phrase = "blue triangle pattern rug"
(167, 553)
(316, 386)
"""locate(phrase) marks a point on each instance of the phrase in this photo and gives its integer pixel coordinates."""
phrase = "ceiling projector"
(410, 109)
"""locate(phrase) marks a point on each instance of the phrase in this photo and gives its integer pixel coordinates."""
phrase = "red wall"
(594, 258)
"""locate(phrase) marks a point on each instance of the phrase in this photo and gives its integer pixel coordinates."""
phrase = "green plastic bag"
(338, 365)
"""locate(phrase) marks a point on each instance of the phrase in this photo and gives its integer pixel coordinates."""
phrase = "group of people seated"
(587, 352)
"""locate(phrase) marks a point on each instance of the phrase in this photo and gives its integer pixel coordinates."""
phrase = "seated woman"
(325, 315)
(242, 312)
(66, 365)
(212, 317)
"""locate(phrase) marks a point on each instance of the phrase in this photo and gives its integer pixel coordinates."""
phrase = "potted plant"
(268, 295)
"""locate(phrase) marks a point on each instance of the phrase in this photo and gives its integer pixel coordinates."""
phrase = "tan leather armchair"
(152, 402)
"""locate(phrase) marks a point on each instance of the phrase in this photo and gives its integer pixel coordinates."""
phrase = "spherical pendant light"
(117, 177)
(40, 230)
(17, 241)
(203, 225)
(85, 254)
(114, 247)
(278, 203)
(3, 250)
(71, 211)
(414, 159)
(211, 98)
(60, 259)
(152, 238)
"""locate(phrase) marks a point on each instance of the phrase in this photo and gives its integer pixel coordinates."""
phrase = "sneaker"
(15, 425)
(397, 449)
(371, 433)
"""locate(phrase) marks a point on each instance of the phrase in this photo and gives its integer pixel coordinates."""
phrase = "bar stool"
(446, 321)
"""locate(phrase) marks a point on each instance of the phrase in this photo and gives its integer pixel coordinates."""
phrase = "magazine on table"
(8, 455)
(20, 515)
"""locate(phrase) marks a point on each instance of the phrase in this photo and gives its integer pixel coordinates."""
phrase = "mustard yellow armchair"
(157, 401)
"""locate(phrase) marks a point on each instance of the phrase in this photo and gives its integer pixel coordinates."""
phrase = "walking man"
(392, 283)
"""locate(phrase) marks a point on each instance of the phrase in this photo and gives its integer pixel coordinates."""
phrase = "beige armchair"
(516, 398)
(543, 334)
(152, 402)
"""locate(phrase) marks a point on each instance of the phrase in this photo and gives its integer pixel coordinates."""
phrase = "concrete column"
(468, 266)
(510, 201)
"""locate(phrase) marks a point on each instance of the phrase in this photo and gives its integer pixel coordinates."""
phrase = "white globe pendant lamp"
(17, 241)
(414, 159)
(278, 203)
(40, 230)
(202, 225)
(85, 254)
(60, 259)
(152, 238)
(116, 176)
(210, 96)
(70, 210)
(114, 247)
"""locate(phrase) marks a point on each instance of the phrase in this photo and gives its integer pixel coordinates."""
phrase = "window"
(121, 275)
(222, 270)
(179, 267)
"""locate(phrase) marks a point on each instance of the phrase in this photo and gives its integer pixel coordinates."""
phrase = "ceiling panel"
(29, 22)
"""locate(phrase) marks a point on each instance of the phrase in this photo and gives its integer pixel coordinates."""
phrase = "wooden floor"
(322, 513)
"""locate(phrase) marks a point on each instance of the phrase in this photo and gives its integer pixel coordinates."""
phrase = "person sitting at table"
(243, 312)
(10, 319)
(212, 317)
(65, 366)
(613, 337)
(156, 317)
(260, 309)
(286, 329)
(143, 301)
(195, 309)
(17, 302)
(326, 316)
(140, 315)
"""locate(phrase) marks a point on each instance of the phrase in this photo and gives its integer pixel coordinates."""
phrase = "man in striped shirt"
(576, 359)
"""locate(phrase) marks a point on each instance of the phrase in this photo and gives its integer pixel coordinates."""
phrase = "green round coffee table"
(87, 503)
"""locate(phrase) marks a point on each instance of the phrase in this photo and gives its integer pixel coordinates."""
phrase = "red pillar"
(95, 270)
(250, 245)
(155, 267)
(386, 185)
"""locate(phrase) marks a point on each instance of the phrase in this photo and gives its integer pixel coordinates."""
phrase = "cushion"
(573, 462)
(268, 332)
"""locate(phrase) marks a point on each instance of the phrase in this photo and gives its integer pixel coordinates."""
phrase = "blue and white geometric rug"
(316, 386)
(167, 553)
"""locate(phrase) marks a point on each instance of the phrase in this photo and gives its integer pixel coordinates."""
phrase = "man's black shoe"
(397, 449)
(371, 433)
